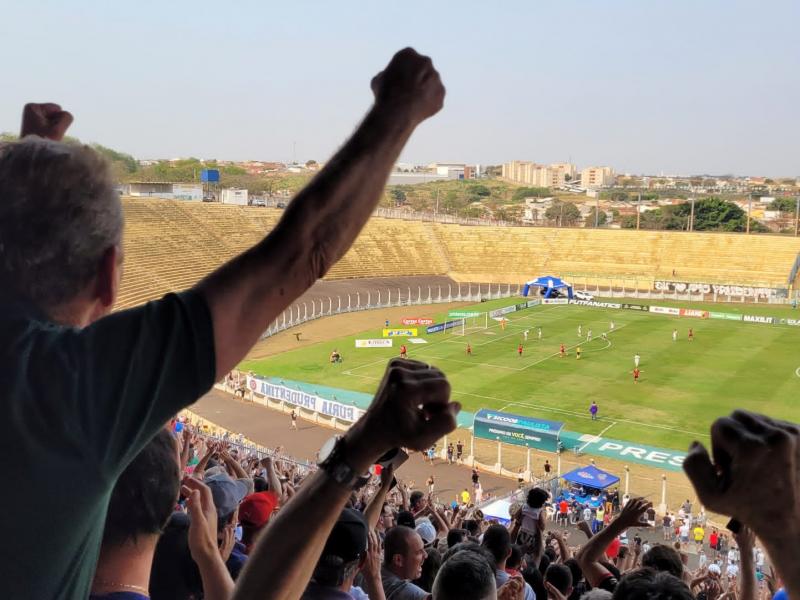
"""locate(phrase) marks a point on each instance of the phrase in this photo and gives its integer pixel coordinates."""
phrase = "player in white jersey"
(636, 359)
(580, 330)
(589, 336)
(539, 333)
(674, 335)
(525, 334)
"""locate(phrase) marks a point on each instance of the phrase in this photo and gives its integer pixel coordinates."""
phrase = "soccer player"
(403, 351)
(503, 323)
(469, 349)
(578, 352)
(691, 334)
(604, 336)
(636, 359)
(593, 410)
(636, 375)
(294, 420)
(525, 334)
(674, 335)
(589, 336)
(562, 351)
(580, 330)
(539, 333)
(519, 350)
(612, 326)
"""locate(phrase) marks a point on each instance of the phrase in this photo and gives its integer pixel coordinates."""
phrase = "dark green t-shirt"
(78, 406)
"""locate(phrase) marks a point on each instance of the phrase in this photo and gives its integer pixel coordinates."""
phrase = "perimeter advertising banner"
(442, 326)
(665, 310)
(615, 305)
(374, 343)
(517, 429)
(323, 406)
(462, 314)
(723, 315)
(691, 312)
(416, 321)
(555, 300)
(642, 307)
(499, 312)
(400, 333)
(758, 319)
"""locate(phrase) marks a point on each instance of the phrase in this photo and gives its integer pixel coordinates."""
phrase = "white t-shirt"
(733, 570)
(684, 530)
(732, 558)
(759, 558)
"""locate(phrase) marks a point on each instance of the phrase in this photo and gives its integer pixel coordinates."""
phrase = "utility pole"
(691, 216)
(597, 211)
(749, 204)
(639, 210)
(436, 211)
(796, 215)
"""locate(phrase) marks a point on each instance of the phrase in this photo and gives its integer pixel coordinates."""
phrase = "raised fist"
(412, 407)
(410, 83)
(46, 120)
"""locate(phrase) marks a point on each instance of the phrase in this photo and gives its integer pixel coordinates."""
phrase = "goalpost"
(476, 322)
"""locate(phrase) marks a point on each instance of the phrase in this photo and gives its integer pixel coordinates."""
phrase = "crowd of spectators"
(105, 497)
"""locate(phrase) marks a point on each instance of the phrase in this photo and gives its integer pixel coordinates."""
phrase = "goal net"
(468, 325)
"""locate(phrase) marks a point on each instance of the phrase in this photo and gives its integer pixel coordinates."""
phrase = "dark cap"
(404, 517)
(348, 540)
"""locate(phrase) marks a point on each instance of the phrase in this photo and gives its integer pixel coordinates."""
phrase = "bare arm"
(373, 511)
(320, 225)
(272, 477)
(186, 439)
(590, 555)
(411, 409)
(747, 583)
(200, 467)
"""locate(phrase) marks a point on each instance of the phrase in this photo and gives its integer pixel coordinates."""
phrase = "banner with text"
(498, 312)
(642, 307)
(463, 314)
(614, 305)
(323, 406)
(682, 287)
(758, 319)
(416, 321)
(662, 458)
(555, 300)
(443, 326)
(691, 312)
(724, 315)
(374, 343)
(517, 429)
(399, 333)
(665, 310)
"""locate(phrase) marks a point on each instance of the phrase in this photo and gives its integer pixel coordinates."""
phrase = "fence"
(334, 305)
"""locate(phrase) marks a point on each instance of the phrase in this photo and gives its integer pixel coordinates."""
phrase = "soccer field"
(684, 385)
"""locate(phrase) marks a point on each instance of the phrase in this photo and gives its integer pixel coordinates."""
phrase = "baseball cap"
(426, 531)
(227, 492)
(256, 509)
(348, 539)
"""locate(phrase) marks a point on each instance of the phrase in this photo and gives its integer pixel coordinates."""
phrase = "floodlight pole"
(796, 215)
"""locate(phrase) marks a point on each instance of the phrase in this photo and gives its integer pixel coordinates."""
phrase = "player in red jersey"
(403, 351)
(636, 375)
(469, 349)
(562, 351)
(519, 350)
(691, 334)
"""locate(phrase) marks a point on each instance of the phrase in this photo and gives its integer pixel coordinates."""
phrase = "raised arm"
(411, 409)
(373, 511)
(590, 555)
(322, 222)
(272, 477)
(747, 582)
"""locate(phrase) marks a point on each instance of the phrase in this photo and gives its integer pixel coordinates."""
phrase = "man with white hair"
(85, 390)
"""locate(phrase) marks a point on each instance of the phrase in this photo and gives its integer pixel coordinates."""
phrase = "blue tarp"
(549, 283)
(591, 476)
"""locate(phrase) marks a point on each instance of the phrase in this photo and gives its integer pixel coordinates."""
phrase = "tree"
(714, 214)
(529, 192)
(602, 218)
(563, 213)
(480, 190)
(311, 164)
(784, 205)
(126, 161)
(399, 196)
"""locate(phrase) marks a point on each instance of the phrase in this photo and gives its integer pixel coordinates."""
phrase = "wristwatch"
(331, 460)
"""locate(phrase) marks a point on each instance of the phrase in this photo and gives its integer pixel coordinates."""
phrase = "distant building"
(233, 196)
(597, 177)
(177, 191)
(536, 175)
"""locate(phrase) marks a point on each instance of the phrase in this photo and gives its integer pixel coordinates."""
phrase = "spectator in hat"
(227, 494)
(404, 553)
(254, 513)
(351, 548)
(426, 531)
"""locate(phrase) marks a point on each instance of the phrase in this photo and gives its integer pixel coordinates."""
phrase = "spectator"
(663, 558)
(227, 494)
(140, 506)
(404, 553)
(644, 584)
(254, 513)
(497, 540)
(350, 549)
(559, 577)
(466, 575)
(456, 536)
(113, 381)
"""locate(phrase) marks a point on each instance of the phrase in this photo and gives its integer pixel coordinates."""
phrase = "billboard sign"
(400, 332)
(416, 321)
(463, 314)
(374, 343)
(517, 429)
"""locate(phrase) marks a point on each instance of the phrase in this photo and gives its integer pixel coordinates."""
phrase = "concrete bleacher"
(170, 245)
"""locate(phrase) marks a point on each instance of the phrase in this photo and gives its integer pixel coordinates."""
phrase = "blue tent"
(548, 283)
(592, 477)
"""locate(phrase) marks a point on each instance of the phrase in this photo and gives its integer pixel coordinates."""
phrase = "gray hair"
(59, 213)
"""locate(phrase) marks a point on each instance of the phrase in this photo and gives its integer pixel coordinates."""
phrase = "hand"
(228, 541)
(553, 593)
(737, 484)
(372, 566)
(745, 539)
(203, 519)
(632, 514)
(46, 120)
(513, 589)
(387, 473)
(412, 408)
(409, 82)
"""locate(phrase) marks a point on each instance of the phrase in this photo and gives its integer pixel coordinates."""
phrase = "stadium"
(733, 291)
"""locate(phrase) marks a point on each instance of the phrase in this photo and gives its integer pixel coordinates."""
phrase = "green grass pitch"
(683, 385)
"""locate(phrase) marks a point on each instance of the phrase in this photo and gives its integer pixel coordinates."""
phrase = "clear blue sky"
(644, 86)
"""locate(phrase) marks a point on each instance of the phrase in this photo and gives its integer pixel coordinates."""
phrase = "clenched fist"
(412, 409)
(46, 120)
(410, 83)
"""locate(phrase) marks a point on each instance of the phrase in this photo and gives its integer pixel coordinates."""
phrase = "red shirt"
(562, 347)
(713, 540)
(519, 349)
(613, 548)
(402, 349)
(636, 373)
(562, 507)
